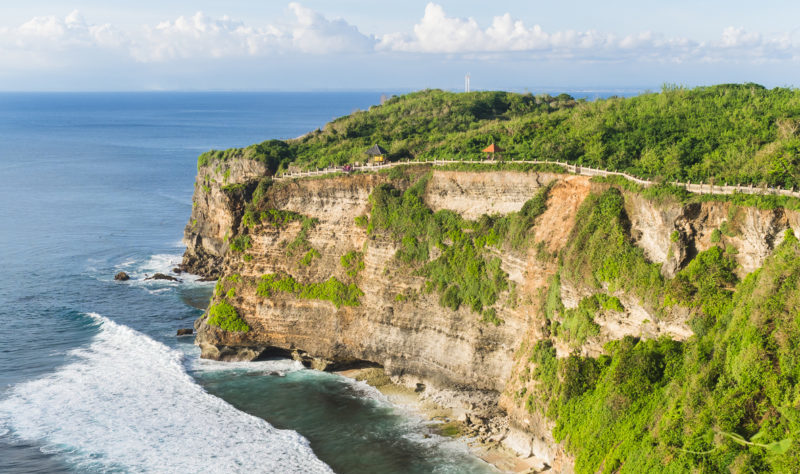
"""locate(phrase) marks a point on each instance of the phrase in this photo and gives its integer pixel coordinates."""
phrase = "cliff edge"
(463, 284)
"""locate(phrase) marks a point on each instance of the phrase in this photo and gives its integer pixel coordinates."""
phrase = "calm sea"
(92, 377)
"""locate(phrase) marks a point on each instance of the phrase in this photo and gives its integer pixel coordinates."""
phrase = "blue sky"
(363, 44)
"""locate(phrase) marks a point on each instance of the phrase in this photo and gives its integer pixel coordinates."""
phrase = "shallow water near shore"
(92, 377)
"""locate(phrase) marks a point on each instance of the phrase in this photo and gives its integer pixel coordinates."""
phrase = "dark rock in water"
(161, 276)
(208, 279)
(185, 332)
(177, 270)
(122, 276)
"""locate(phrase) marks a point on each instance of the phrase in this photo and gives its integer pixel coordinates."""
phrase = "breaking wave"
(126, 403)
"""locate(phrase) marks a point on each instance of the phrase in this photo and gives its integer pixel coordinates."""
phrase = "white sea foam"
(164, 263)
(161, 263)
(127, 263)
(127, 403)
(262, 366)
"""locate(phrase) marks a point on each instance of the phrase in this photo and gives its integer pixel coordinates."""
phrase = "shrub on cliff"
(331, 290)
(353, 262)
(273, 153)
(224, 316)
(241, 243)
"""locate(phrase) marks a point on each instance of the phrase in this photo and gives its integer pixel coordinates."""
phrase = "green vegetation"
(300, 243)
(309, 256)
(234, 189)
(353, 262)
(578, 323)
(241, 243)
(363, 221)
(600, 250)
(724, 400)
(706, 283)
(464, 273)
(735, 133)
(727, 229)
(462, 276)
(331, 290)
(490, 316)
(258, 211)
(224, 316)
(272, 153)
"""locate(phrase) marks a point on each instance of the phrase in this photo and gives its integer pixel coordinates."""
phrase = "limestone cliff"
(399, 325)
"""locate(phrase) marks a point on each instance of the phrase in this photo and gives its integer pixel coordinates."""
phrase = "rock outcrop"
(403, 328)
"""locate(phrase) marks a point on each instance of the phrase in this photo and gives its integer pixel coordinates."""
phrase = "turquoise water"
(92, 378)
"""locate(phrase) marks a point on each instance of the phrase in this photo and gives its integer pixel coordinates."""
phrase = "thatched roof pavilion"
(377, 153)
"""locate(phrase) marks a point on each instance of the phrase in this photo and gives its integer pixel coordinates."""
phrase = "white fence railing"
(699, 188)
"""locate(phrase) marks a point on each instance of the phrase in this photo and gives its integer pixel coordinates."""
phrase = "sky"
(533, 45)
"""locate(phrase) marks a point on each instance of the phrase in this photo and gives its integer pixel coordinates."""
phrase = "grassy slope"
(728, 133)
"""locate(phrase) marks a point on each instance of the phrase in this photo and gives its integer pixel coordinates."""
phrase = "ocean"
(92, 376)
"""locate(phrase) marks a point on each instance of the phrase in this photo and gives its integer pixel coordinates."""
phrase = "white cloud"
(313, 33)
(738, 37)
(187, 37)
(50, 32)
(439, 33)
(202, 36)
(50, 41)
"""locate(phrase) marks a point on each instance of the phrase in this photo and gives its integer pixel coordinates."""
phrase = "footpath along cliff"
(546, 305)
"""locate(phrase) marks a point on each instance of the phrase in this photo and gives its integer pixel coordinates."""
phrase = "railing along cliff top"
(698, 188)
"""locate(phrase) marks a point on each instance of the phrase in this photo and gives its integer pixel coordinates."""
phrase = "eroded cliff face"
(403, 328)
(216, 213)
(397, 324)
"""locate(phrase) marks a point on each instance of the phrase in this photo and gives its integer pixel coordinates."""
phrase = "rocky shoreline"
(461, 415)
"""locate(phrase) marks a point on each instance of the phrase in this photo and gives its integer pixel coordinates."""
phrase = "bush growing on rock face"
(224, 316)
(362, 221)
(331, 290)
(309, 256)
(353, 262)
(241, 243)
(490, 316)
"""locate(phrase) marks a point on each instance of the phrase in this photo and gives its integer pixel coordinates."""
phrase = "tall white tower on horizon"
(466, 83)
